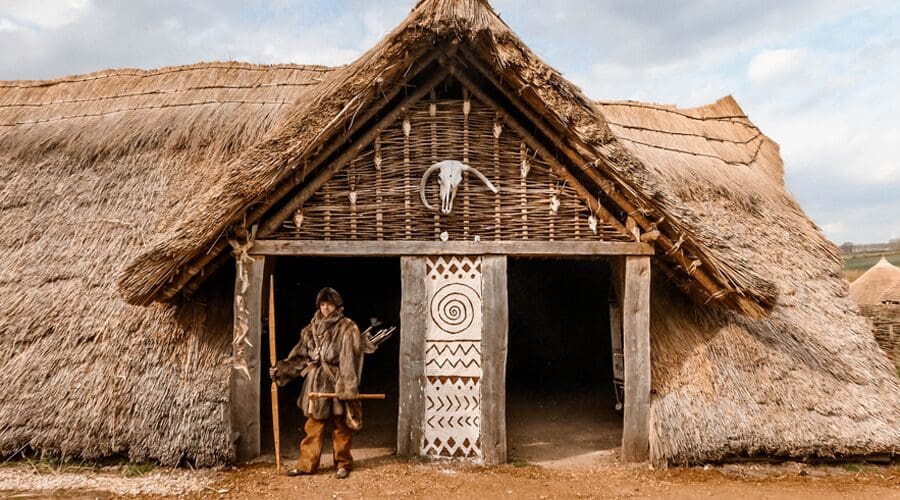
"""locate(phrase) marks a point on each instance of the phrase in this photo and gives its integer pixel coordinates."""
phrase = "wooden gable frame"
(433, 68)
(607, 195)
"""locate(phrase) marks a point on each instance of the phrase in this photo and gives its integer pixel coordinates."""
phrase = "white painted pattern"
(453, 358)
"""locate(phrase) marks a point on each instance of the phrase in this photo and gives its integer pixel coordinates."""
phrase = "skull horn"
(428, 173)
(481, 176)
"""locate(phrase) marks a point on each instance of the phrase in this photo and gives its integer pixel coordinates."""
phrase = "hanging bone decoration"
(450, 174)
(554, 204)
(592, 223)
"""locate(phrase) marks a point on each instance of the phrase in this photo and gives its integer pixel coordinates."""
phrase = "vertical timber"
(636, 344)
(413, 315)
(494, 349)
(245, 397)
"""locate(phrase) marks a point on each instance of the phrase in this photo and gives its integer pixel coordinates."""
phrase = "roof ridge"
(165, 70)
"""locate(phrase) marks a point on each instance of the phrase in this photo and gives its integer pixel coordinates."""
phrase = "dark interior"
(560, 394)
(370, 287)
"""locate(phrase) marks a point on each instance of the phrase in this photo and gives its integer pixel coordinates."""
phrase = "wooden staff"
(272, 360)
(317, 395)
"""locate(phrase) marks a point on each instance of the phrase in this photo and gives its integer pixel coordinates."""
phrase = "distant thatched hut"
(877, 292)
(181, 189)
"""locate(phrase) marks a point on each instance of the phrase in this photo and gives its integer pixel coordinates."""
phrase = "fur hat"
(329, 294)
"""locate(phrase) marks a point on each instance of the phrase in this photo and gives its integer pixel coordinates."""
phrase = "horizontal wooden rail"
(352, 248)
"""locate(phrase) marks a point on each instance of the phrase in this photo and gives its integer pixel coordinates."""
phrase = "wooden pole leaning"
(323, 395)
(273, 358)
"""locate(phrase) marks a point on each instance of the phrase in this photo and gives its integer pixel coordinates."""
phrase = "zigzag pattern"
(453, 349)
(443, 422)
(454, 363)
(452, 403)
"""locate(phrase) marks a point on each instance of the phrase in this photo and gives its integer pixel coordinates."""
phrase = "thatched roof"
(152, 183)
(349, 91)
(879, 284)
(809, 379)
(90, 168)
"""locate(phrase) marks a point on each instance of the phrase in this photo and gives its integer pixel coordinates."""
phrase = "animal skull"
(450, 174)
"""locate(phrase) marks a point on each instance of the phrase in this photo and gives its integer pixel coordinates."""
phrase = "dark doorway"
(370, 288)
(560, 394)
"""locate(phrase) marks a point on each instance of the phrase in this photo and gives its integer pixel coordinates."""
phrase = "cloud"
(45, 14)
(777, 65)
(8, 26)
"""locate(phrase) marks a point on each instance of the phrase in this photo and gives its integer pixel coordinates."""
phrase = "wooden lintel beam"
(528, 248)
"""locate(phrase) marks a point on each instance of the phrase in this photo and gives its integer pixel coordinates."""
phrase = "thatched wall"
(90, 166)
(808, 379)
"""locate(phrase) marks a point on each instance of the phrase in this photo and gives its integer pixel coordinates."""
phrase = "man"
(329, 357)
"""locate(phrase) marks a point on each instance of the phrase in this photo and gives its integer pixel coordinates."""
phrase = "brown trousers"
(311, 446)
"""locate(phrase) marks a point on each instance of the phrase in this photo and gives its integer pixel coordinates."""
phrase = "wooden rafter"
(712, 287)
(216, 256)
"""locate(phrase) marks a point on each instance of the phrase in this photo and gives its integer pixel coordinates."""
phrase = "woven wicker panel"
(376, 197)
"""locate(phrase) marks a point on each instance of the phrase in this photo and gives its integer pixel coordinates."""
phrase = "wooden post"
(495, 314)
(413, 314)
(636, 343)
(245, 384)
(617, 269)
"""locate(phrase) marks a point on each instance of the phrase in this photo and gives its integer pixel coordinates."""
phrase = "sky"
(820, 77)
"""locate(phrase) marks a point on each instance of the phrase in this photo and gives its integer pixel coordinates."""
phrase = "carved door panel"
(453, 357)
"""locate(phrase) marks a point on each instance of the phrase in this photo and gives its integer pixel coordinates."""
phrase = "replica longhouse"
(141, 213)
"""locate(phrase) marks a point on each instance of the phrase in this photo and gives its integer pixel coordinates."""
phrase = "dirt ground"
(545, 462)
(392, 477)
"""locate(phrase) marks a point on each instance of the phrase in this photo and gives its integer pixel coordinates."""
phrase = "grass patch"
(856, 265)
(863, 261)
(137, 470)
(855, 467)
(518, 462)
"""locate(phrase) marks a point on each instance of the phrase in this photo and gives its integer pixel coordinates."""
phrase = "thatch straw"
(154, 176)
(119, 112)
(809, 379)
(86, 179)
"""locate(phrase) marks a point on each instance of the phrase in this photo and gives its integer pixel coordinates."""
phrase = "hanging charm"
(498, 128)
(554, 204)
(592, 223)
(525, 167)
(298, 219)
(406, 127)
(352, 195)
(445, 236)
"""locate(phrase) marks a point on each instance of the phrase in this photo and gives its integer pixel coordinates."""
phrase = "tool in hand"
(318, 395)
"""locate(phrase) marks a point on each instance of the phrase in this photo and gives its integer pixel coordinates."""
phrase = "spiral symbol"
(453, 307)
